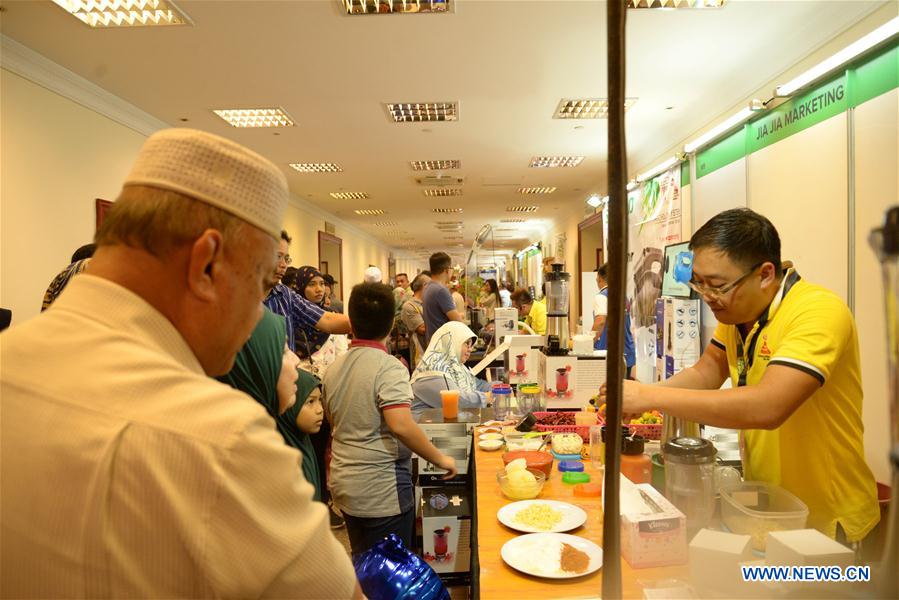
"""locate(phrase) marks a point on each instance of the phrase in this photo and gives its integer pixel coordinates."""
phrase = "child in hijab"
(442, 367)
(266, 369)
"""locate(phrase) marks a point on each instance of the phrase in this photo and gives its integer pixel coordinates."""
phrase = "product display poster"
(654, 222)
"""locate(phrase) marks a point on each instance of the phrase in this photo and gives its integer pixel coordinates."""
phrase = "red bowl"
(542, 461)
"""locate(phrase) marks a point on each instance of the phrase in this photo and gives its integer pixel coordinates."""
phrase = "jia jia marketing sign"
(798, 114)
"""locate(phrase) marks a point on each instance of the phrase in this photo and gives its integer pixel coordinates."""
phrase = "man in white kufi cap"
(372, 275)
(128, 471)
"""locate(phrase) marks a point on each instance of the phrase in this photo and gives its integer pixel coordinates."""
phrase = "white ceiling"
(507, 63)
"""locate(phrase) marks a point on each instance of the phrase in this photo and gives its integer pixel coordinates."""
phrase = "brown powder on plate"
(573, 560)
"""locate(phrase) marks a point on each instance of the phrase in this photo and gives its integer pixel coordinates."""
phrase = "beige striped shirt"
(126, 472)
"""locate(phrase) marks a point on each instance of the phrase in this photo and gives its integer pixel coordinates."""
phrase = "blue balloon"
(388, 571)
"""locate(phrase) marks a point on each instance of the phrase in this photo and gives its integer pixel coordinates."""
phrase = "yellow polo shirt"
(818, 452)
(536, 318)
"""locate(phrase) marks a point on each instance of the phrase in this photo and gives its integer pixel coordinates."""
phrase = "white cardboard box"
(806, 547)
(649, 538)
(715, 559)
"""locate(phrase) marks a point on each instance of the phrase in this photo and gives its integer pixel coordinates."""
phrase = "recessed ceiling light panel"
(369, 212)
(549, 162)
(316, 167)
(522, 209)
(446, 210)
(385, 224)
(536, 190)
(255, 117)
(586, 108)
(512, 220)
(417, 112)
(435, 165)
(442, 192)
(125, 13)
(349, 195)
(375, 7)
(675, 3)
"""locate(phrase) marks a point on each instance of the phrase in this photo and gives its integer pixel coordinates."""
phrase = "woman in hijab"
(311, 285)
(442, 367)
(266, 369)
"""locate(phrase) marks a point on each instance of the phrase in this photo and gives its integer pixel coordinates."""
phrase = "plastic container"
(502, 401)
(635, 465)
(571, 466)
(581, 430)
(565, 456)
(567, 443)
(521, 492)
(754, 508)
(588, 490)
(542, 461)
(690, 479)
(572, 478)
(530, 398)
(648, 431)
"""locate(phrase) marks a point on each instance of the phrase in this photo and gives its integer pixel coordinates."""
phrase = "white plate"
(490, 436)
(572, 516)
(538, 554)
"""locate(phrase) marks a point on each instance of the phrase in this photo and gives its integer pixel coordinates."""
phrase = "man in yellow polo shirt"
(791, 350)
(533, 311)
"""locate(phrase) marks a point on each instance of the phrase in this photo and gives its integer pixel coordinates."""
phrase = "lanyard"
(744, 360)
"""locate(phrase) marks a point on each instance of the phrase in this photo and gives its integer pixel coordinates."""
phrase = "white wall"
(876, 187)
(800, 184)
(57, 157)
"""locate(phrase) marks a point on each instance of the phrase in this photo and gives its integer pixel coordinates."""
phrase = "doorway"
(590, 256)
(330, 259)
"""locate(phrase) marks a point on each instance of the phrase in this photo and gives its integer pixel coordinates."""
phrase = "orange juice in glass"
(450, 401)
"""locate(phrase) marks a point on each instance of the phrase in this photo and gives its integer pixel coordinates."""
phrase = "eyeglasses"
(719, 291)
(285, 258)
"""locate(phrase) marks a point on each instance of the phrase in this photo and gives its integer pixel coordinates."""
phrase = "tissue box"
(715, 559)
(806, 547)
(650, 538)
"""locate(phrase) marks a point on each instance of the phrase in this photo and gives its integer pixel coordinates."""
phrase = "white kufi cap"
(372, 275)
(214, 170)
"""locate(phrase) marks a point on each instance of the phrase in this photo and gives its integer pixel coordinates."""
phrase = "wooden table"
(498, 580)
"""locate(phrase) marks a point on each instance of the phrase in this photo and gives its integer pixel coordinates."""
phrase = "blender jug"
(885, 242)
(690, 479)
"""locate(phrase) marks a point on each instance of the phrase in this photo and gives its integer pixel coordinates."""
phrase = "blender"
(885, 242)
(557, 282)
(690, 479)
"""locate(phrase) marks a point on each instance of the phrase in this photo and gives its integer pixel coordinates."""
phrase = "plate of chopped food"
(552, 555)
(538, 516)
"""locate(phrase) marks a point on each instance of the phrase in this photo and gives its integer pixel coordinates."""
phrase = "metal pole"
(615, 16)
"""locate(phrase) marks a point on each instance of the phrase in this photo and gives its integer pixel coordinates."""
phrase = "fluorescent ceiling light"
(435, 165)
(522, 209)
(255, 117)
(512, 220)
(440, 192)
(374, 7)
(316, 167)
(884, 32)
(385, 224)
(412, 112)
(536, 190)
(587, 108)
(548, 162)
(446, 210)
(369, 212)
(657, 169)
(718, 130)
(349, 195)
(675, 3)
(125, 13)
